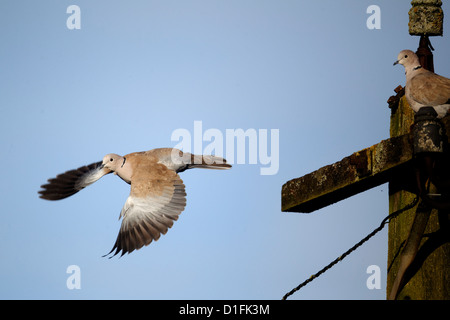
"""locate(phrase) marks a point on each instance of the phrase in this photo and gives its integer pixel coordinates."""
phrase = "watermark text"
(238, 146)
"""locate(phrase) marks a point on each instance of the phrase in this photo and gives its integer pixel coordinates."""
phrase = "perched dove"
(157, 193)
(423, 87)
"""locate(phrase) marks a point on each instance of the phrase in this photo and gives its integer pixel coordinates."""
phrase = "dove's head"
(407, 58)
(113, 161)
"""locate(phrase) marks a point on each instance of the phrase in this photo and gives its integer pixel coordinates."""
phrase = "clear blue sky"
(137, 71)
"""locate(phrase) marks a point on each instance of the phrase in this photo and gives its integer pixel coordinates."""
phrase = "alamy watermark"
(74, 280)
(236, 145)
(374, 20)
(74, 20)
(374, 280)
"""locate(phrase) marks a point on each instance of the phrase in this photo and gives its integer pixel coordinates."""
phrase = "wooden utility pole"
(428, 277)
(394, 161)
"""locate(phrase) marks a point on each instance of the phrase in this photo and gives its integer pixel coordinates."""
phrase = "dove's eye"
(406, 56)
(111, 159)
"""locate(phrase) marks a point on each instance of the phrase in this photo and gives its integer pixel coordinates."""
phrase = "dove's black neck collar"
(415, 68)
(124, 159)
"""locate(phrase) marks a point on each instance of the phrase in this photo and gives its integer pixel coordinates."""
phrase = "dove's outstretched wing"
(70, 182)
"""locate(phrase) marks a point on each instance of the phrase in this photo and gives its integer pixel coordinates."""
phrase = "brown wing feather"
(156, 200)
(430, 89)
(70, 182)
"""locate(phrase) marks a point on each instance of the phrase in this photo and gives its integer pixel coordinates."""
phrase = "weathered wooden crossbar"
(356, 173)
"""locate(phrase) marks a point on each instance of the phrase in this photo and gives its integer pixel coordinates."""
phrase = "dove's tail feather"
(206, 162)
(223, 166)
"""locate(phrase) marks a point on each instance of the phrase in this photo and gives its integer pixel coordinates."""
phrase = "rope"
(356, 246)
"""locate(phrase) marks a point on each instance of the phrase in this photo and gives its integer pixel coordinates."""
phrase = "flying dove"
(157, 193)
(423, 87)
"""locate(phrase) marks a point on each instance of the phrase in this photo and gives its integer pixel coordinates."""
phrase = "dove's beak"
(396, 62)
